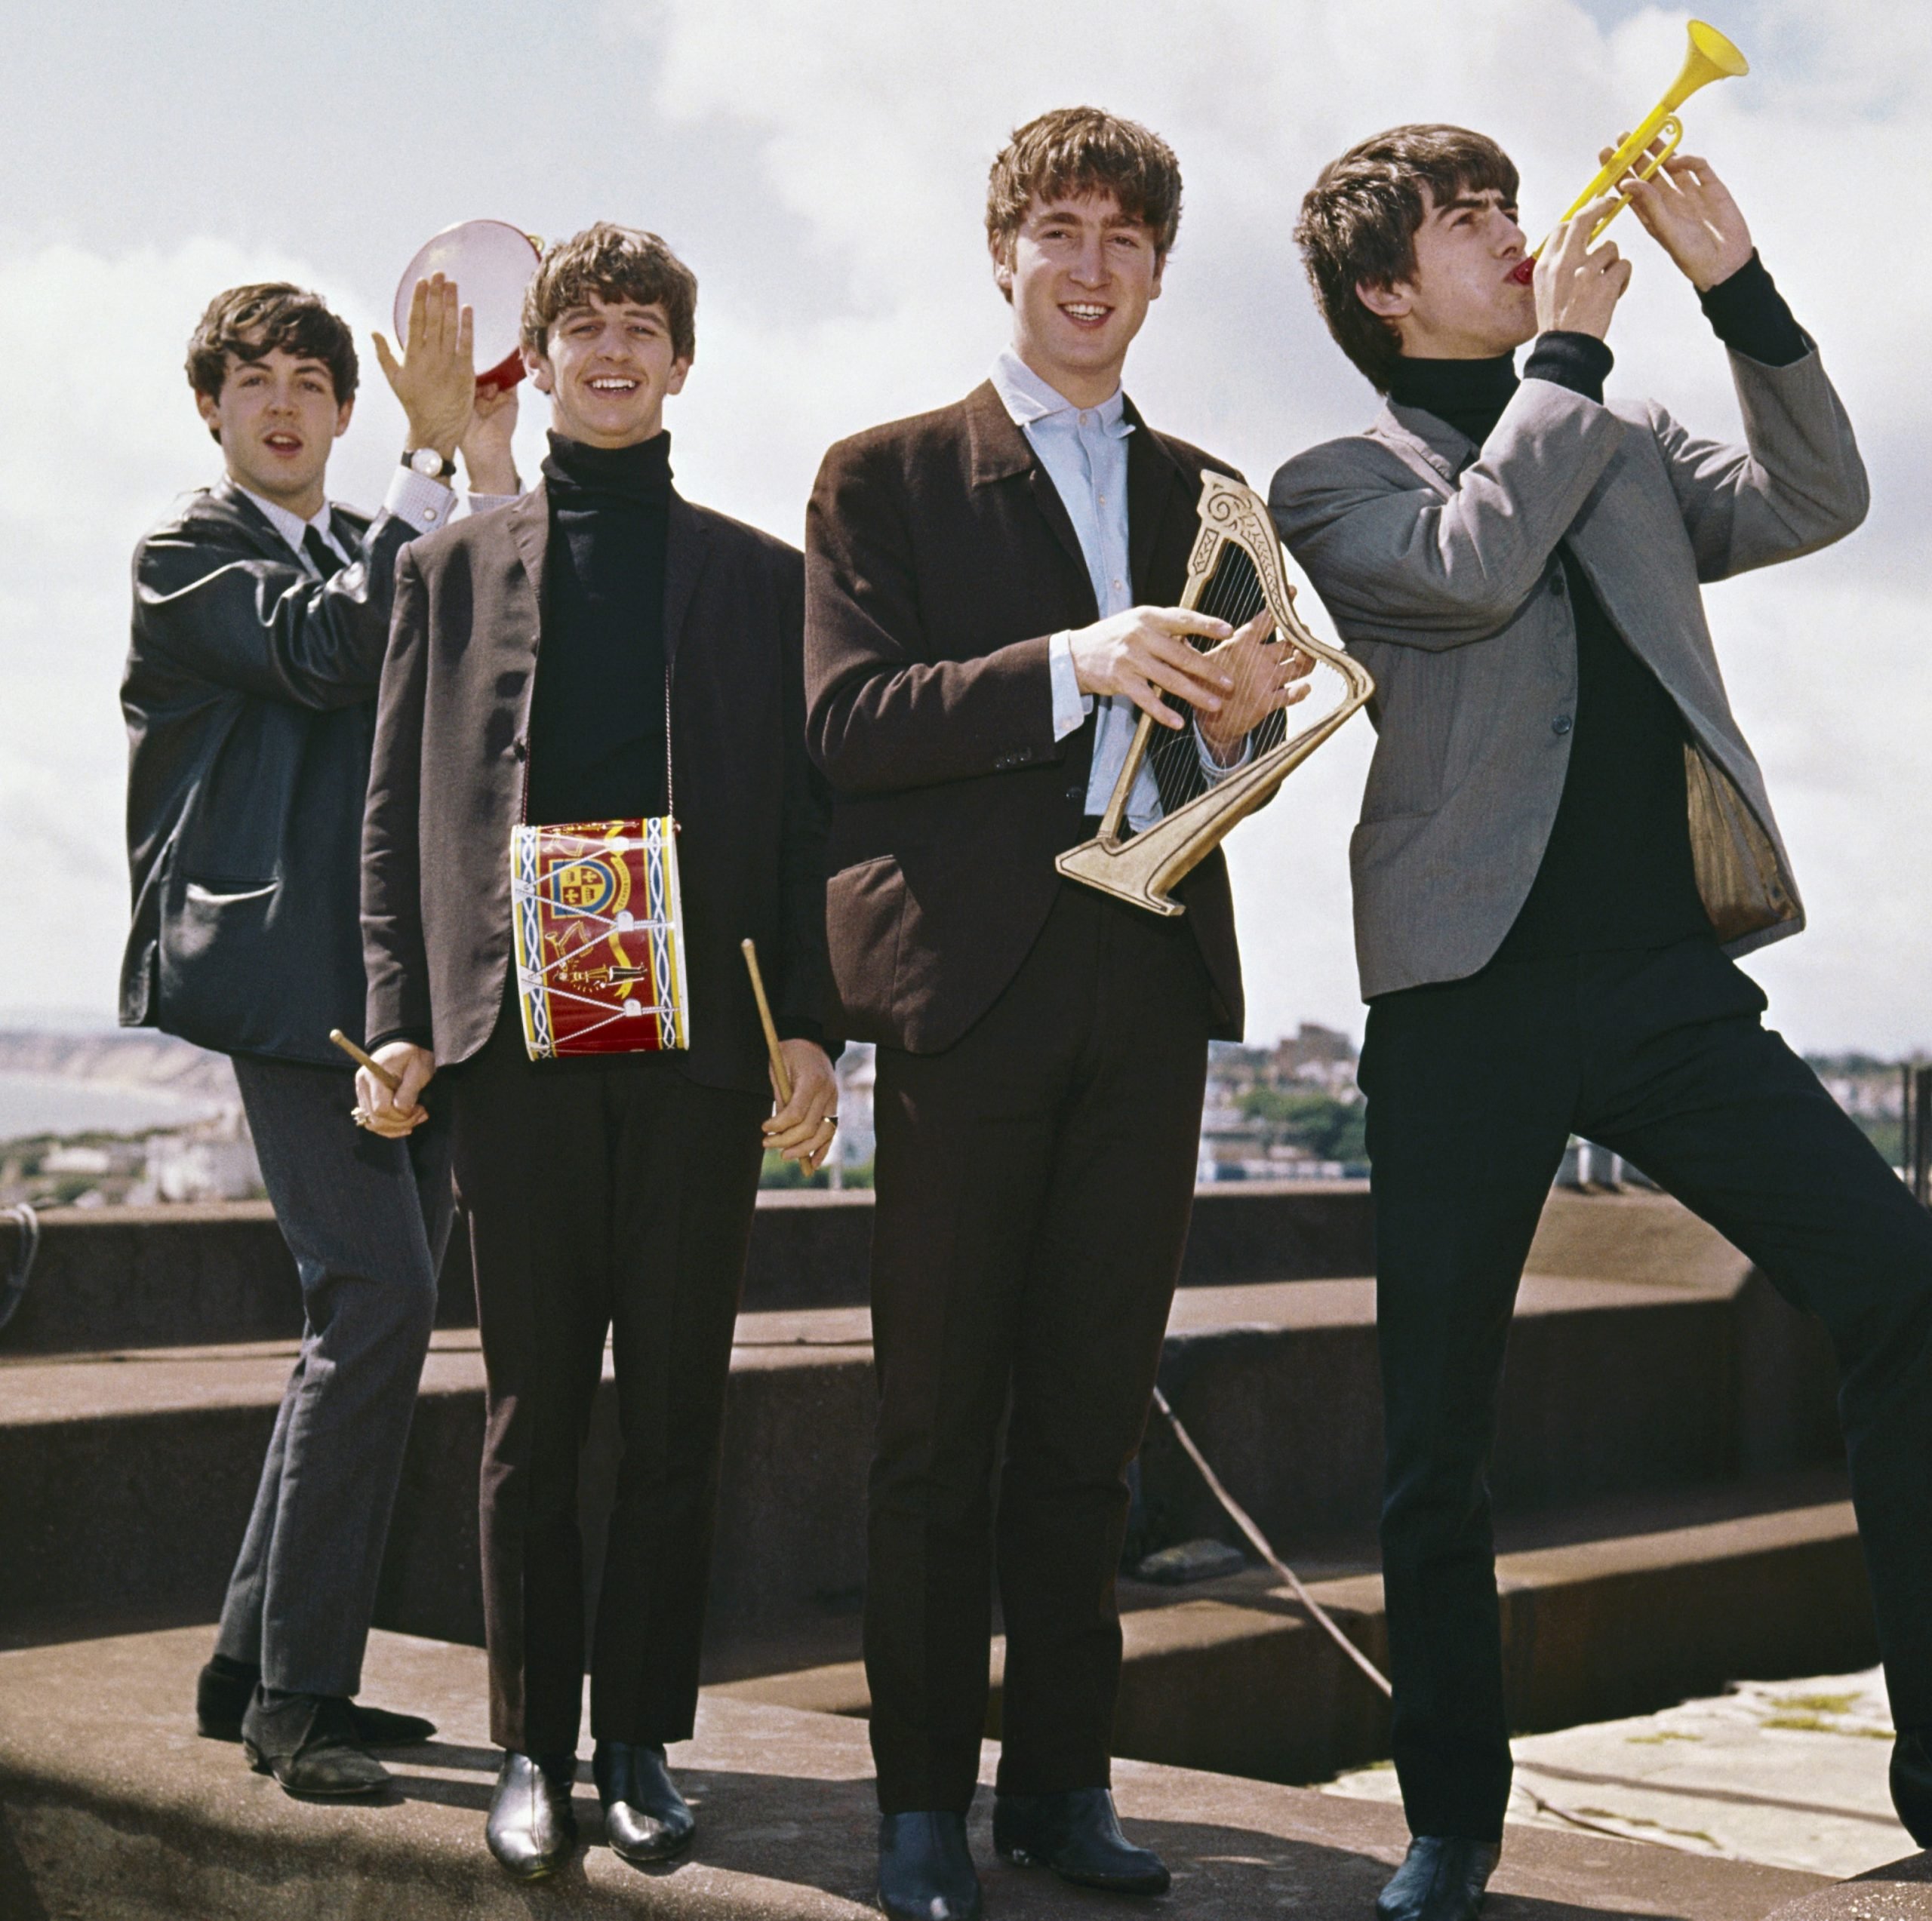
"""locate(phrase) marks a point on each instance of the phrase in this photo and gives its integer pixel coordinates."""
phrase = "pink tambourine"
(491, 263)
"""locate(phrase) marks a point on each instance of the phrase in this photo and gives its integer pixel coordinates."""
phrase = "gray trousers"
(367, 1220)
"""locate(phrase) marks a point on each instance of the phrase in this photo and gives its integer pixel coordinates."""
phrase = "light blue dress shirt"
(1084, 451)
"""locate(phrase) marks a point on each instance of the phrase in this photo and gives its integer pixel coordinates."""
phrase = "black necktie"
(322, 557)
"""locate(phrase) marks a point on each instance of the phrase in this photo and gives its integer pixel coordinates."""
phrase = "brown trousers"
(1035, 1181)
(603, 1195)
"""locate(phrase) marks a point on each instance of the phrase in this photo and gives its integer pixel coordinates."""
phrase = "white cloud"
(868, 129)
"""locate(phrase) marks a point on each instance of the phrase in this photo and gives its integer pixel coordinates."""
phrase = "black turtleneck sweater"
(597, 744)
(1618, 871)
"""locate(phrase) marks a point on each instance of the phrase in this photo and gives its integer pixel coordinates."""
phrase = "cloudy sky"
(822, 167)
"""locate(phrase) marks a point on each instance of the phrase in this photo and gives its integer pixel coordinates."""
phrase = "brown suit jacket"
(939, 560)
(447, 783)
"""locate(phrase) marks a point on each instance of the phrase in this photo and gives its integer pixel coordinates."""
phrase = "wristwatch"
(427, 461)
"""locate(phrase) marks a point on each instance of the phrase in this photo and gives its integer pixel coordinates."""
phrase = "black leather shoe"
(308, 1742)
(1078, 1835)
(532, 1827)
(1442, 1878)
(225, 1687)
(925, 1869)
(1912, 1784)
(645, 1819)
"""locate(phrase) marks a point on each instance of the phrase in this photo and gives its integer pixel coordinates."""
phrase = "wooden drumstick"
(781, 1079)
(389, 1080)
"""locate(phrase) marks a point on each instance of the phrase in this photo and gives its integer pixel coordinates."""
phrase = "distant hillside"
(131, 1059)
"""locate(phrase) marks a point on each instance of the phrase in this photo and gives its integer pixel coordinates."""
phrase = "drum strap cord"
(14, 1287)
(1326, 1622)
(1259, 1542)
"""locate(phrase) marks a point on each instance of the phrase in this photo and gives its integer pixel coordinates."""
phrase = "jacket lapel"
(1000, 451)
(1432, 448)
(529, 522)
(228, 503)
(519, 641)
(1154, 478)
(687, 541)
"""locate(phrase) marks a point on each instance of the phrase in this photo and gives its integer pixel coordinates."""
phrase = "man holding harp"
(989, 591)
(1565, 839)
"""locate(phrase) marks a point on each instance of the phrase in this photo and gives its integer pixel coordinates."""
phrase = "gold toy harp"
(1233, 574)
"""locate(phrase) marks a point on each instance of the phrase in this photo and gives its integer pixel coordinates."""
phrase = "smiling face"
(1080, 274)
(608, 367)
(277, 418)
(1462, 302)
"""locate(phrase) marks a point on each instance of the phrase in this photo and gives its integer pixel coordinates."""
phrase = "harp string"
(1235, 594)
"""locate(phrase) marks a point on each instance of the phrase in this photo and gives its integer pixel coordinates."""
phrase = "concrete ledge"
(111, 1809)
(173, 1276)
(1612, 1388)
(1232, 1677)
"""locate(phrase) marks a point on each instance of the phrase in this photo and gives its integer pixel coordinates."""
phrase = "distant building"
(1265, 1105)
(76, 1161)
(214, 1160)
(858, 1140)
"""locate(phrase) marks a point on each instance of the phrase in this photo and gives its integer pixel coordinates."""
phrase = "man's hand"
(1265, 674)
(395, 1115)
(1578, 286)
(487, 458)
(436, 379)
(1143, 653)
(804, 1128)
(1689, 213)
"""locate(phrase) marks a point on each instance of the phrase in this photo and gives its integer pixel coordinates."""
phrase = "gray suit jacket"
(1437, 561)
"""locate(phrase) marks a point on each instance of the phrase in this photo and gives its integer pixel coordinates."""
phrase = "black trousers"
(604, 1195)
(1034, 1185)
(1473, 1087)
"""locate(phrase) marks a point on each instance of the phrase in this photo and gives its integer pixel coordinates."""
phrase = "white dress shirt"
(426, 504)
(1084, 451)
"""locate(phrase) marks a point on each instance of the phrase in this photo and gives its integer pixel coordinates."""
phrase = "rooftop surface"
(114, 1810)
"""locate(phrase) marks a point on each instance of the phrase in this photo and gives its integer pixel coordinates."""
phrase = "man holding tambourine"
(261, 614)
(1565, 839)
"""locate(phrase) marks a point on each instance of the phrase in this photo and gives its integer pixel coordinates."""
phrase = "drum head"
(491, 263)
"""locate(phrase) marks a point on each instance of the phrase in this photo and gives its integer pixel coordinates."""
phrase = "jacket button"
(1562, 724)
(1076, 793)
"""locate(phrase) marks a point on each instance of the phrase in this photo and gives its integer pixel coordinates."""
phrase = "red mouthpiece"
(1524, 271)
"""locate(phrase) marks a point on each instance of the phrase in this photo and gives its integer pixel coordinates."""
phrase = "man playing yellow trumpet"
(1564, 841)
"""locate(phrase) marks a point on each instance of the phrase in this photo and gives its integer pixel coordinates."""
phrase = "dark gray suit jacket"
(250, 699)
(1436, 560)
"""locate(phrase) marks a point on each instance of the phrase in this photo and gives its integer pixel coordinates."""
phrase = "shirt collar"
(291, 526)
(1028, 399)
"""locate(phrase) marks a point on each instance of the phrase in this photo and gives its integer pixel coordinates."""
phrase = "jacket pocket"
(215, 912)
(865, 913)
(1738, 875)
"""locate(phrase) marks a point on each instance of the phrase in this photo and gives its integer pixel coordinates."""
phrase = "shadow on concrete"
(821, 1835)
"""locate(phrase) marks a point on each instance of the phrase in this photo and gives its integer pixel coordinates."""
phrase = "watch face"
(426, 460)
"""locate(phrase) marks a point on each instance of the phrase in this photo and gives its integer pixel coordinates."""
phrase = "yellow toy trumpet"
(1710, 57)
